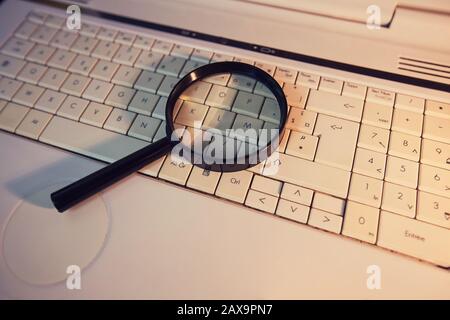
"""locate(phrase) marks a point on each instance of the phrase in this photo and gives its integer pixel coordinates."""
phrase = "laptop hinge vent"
(418, 66)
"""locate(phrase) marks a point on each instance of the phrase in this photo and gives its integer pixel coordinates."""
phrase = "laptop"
(360, 209)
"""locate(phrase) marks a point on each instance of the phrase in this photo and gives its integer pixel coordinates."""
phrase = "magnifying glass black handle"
(82, 189)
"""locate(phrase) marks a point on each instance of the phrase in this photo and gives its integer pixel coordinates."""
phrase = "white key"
(197, 92)
(354, 90)
(9, 87)
(43, 34)
(37, 17)
(88, 140)
(11, 116)
(73, 108)
(308, 174)
(297, 194)
(97, 90)
(175, 169)
(408, 122)
(308, 80)
(261, 201)
(26, 29)
(201, 55)
(191, 114)
(234, 185)
(241, 82)
(105, 50)
(292, 211)
(399, 199)
(64, 39)
(107, 34)
(285, 75)
(324, 220)
(55, 21)
(119, 120)
(181, 51)
(248, 104)
(203, 180)
(328, 203)
(143, 42)
(220, 79)
(89, 29)
(148, 60)
(270, 69)
(61, 59)
(218, 119)
(377, 115)
(434, 180)
(302, 145)
(125, 38)
(221, 97)
(40, 54)
(435, 153)
(366, 190)
(28, 94)
(296, 95)
(149, 81)
(2, 104)
(409, 103)
(17, 47)
(127, 55)
(126, 76)
(270, 112)
(401, 171)
(120, 97)
(82, 65)
(10, 66)
(298, 119)
(96, 114)
(153, 168)
(414, 238)
(331, 85)
(32, 72)
(143, 102)
(33, 124)
(162, 46)
(436, 129)
(369, 163)
(50, 101)
(221, 57)
(404, 146)
(75, 84)
(104, 70)
(380, 96)
(361, 222)
(189, 66)
(171, 66)
(144, 127)
(433, 209)
(437, 109)
(84, 45)
(266, 185)
(167, 85)
(335, 105)
(53, 79)
(337, 141)
(373, 138)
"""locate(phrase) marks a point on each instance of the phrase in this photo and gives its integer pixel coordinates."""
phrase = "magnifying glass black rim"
(240, 68)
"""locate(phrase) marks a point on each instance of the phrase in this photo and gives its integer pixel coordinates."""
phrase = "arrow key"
(293, 211)
(261, 201)
(325, 220)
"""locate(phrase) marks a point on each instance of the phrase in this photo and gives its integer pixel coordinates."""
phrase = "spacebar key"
(88, 140)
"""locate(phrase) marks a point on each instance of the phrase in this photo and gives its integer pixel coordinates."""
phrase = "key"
(143, 42)
(120, 97)
(175, 169)
(203, 180)
(119, 120)
(406, 102)
(373, 138)
(270, 112)
(361, 222)
(264, 91)
(8, 88)
(285, 75)
(197, 92)
(241, 82)
(162, 46)
(25, 30)
(28, 95)
(234, 185)
(296, 95)
(96, 114)
(404, 146)
(153, 168)
(72, 108)
(104, 70)
(53, 79)
(125, 38)
(433, 209)
(270, 69)
(33, 124)
(366, 190)
(399, 199)
(354, 90)
(43, 34)
(437, 109)
(107, 34)
(84, 45)
(266, 185)
(148, 60)
(414, 238)
(337, 141)
(105, 50)
(369, 163)
(218, 119)
(75, 84)
(10, 66)
(11, 116)
(436, 129)
(126, 76)
(292, 211)
(189, 66)
(407, 122)
(201, 55)
(219, 79)
(331, 85)
(37, 17)
(126, 55)
(61, 59)
(435, 153)
(82, 65)
(17, 47)
(248, 104)
(167, 85)
(261, 201)
(309, 174)
(221, 97)
(88, 29)
(191, 114)
(50, 101)
(401, 171)
(64, 39)
(297, 194)
(181, 51)
(97, 90)
(302, 145)
(246, 128)
(55, 21)
(380, 96)
(2, 104)
(143, 102)
(308, 80)
(40, 53)
(324, 220)
(328, 203)
(160, 110)
(299, 120)
(149, 81)
(377, 115)
(335, 105)
(88, 140)
(434, 180)
(220, 57)
(171, 66)
(144, 127)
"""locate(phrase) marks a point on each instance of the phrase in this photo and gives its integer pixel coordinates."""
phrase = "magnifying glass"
(224, 116)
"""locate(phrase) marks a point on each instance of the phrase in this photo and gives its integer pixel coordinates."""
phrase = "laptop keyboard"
(363, 162)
